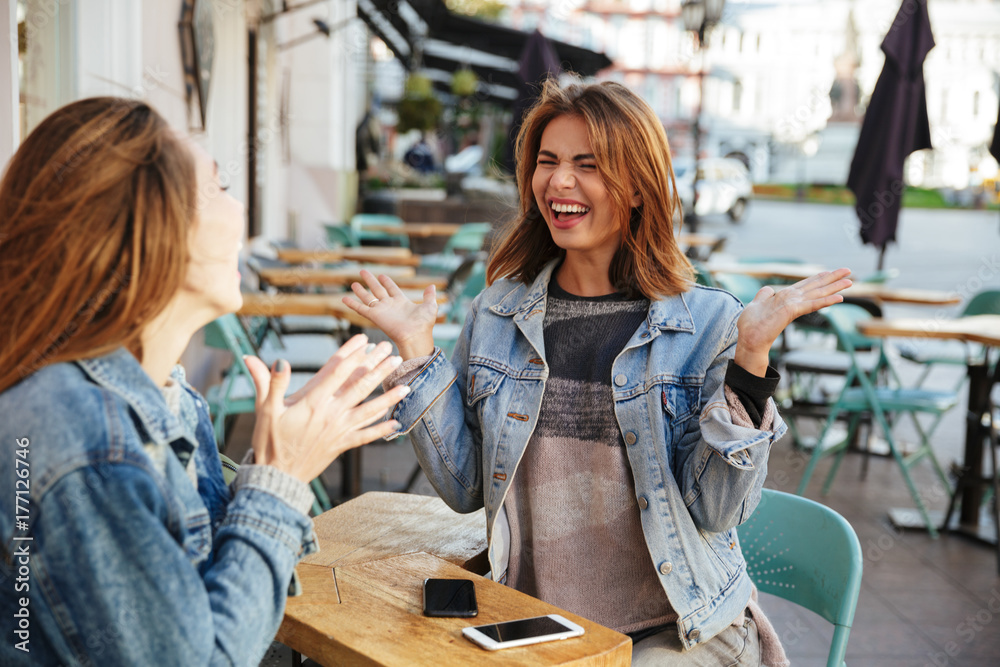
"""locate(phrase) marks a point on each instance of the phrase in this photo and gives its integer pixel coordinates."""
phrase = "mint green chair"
(741, 286)
(469, 238)
(341, 236)
(806, 553)
(360, 221)
(861, 397)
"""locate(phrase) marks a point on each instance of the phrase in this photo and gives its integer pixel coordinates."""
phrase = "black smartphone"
(450, 597)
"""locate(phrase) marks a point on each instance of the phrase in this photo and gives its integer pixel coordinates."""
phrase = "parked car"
(724, 186)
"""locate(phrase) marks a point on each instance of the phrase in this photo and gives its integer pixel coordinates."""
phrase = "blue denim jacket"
(129, 564)
(697, 475)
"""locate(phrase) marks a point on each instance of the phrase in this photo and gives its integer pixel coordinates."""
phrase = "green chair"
(864, 398)
(468, 239)
(362, 220)
(806, 553)
(236, 393)
(702, 276)
(341, 236)
(741, 286)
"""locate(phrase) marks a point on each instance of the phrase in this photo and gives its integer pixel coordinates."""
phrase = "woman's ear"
(636, 199)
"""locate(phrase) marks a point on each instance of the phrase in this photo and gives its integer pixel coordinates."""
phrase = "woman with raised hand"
(613, 418)
(123, 543)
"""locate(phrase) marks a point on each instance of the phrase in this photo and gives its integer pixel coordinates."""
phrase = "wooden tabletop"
(378, 255)
(404, 276)
(416, 229)
(886, 294)
(689, 239)
(362, 593)
(983, 329)
(768, 270)
(259, 304)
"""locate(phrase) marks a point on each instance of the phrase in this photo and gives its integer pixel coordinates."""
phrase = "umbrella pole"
(881, 257)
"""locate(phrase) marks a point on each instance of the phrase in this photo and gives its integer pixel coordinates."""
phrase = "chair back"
(468, 238)
(341, 236)
(843, 319)
(702, 276)
(806, 553)
(360, 221)
(741, 286)
(466, 286)
(984, 303)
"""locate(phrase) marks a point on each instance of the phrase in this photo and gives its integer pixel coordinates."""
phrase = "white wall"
(9, 85)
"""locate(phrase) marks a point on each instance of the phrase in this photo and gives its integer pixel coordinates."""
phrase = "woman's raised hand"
(303, 433)
(764, 318)
(409, 325)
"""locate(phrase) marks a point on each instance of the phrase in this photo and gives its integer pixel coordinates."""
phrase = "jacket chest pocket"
(483, 384)
(680, 402)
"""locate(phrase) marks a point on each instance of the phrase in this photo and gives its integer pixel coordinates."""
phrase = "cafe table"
(767, 270)
(362, 603)
(902, 295)
(984, 329)
(375, 255)
(300, 276)
(260, 304)
(416, 229)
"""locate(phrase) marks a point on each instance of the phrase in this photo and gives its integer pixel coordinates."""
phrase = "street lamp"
(699, 17)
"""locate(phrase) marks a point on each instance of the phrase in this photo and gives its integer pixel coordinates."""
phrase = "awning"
(451, 42)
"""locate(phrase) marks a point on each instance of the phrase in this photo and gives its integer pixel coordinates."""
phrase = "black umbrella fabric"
(895, 125)
(995, 146)
(538, 62)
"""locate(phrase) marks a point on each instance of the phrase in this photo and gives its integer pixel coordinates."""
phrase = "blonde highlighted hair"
(632, 156)
(95, 209)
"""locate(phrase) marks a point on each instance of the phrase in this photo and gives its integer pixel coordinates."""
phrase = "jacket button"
(620, 379)
(644, 334)
(694, 635)
(630, 438)
(665, 569)
(643, 503)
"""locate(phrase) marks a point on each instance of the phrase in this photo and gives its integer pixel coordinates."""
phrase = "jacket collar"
(671, 313)
(120, 372)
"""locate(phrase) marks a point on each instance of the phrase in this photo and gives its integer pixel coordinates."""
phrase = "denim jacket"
(121, 561)
(697, 475)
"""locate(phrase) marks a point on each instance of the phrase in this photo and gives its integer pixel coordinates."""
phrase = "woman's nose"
(562, 177)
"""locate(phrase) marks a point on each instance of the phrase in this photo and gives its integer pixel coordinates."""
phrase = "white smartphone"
(522, 632)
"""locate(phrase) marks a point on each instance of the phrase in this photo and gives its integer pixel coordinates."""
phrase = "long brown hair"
(632, 155)
(95, 208)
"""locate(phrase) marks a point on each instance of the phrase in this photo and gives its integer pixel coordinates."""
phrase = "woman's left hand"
(764, 318)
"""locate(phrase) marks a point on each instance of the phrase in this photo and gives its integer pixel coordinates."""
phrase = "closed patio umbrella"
(895, 125)
(538, 61)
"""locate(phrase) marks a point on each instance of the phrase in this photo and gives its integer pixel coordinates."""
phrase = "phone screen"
(524, 628)
(450, 597)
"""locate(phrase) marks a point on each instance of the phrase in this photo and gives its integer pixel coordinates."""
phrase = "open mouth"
(568, 212)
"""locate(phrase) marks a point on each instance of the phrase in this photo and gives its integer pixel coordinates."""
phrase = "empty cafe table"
(983, 329)
(299, 276)
(362, 592)
(375, 255)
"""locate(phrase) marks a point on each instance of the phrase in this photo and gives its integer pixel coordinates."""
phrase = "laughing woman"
(122, 544)
(613, 418)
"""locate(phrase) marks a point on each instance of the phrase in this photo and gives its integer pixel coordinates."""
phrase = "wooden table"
(416, 229)
(376, 255)
(362, 592)
(984, 329)
(886, 294)
(259, 304)
(404, 276)
(768, 270)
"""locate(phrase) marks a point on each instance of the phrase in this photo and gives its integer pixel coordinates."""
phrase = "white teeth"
(569, 208)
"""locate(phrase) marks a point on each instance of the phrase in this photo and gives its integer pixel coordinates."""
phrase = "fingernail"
(404, 390)
(282, 365)
(395, 425)
(371, 348)
(395, 361)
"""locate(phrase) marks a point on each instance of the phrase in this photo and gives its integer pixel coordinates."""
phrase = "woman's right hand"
(409, 325)
(303, 433)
